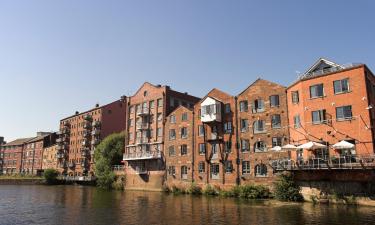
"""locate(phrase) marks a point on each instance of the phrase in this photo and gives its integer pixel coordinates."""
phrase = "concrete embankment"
(21, 181)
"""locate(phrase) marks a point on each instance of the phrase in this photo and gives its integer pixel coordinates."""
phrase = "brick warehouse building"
(80, 133)
(33, 152)
(12, 155)
(2, 142)
(145, 133)
(331, 103)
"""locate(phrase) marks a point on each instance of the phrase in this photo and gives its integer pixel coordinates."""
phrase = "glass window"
(160, 102)
(274, 101)
(200, 130)
(184, 172)
(160, 116)
(172, 119)
(228, 166)
(159, 132)
(245, 145)
(171, 170)
(260, 146)
(201, 167)
(152, 104)
(202, 148)
(227, 108)
(316, 91)
(228, 147)
(245, 167)
(244, 125)
(260, 170)
(228, 127)
(258, 106)
(341, 86)
(184, 116)
(172, 134)
(276, 141)
(243, 106)
(297, 121)
(295, 97)
(276, 121)
(259, 126)
(183, 149)
(184, 132)
(344, 112)
(215, 170)
(171, 151)
(318, 116)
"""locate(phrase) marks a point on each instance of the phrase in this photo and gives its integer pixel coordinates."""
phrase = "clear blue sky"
(60, 56)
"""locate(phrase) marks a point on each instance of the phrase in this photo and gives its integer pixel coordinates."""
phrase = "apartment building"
(80, 133)
(145, 133)
(179, 142)
(12, 155)
(33, 152)
(49, 159)
(262, 126)
(329, 104)
(2, 142)
(216, 152)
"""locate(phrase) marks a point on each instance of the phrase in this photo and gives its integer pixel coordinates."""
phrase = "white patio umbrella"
(289, 147)
(343, 145)
(276, 148)
(312, 145)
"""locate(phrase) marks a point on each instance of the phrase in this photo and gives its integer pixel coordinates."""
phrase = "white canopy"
(312, 145)
(276, 148)
(289, 146)
(343, 145)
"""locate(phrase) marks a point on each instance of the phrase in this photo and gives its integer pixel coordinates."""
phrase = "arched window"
(260, 170)
(259, 126)
(260, 146)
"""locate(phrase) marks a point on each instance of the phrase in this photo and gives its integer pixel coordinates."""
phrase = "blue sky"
(57, 57)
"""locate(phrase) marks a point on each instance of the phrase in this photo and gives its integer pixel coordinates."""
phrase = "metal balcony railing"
(118, 167)
(96, 124)
(142, 155)
(341, 162)
(87, 117)
(95, 132)
(143, 112)
(142, 126)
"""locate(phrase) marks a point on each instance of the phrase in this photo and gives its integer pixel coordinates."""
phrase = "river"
(37, 204)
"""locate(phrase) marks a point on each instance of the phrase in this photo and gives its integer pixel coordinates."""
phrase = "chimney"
(77, 113)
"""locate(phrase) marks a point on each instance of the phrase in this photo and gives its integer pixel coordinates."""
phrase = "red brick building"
(32, 156)
(81, 133)
(332, 103)
(179, 142)
(12, 155)
(145, 133)
(262, 125)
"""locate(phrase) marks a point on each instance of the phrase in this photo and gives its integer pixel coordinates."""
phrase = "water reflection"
(88, 205)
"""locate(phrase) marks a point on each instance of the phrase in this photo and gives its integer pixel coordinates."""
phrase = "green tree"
(286, 189)
(107, 154)
(50, 175)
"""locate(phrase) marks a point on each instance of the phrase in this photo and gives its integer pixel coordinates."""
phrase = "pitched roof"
(179, 107)
(257, 81)
(19, 141)
(214, 97)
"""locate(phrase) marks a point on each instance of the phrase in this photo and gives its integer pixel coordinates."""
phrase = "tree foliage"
(50, 175)
(286, 189)
(107, 154)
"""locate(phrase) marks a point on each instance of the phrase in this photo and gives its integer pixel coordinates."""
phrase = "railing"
(141, 126)
(118, 167)
(341, 162)
(77, 178)
(142, 155)
(328, 70)
(95, 132)
(143, 111)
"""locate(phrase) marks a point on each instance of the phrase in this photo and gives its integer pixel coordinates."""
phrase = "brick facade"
(49, 160)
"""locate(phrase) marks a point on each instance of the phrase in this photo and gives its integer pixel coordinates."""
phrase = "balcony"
(71, 165)
(95, 141)
(87, 125)
(214, 137)
(85, 152)
(95, 132)
(143, 112)
(62, 165)
(85, 143)
(60, 155)
(84, 163)
(141, 170)
(142, 126)
(87, 117)
(210, 110)
(142, 155)
(65, 130)
(141, 141)
(61, 147)
(86, 134)
(66, 124)
(96, 124)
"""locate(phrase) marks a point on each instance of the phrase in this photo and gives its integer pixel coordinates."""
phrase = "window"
(341, 86)
(131, 109)
(260, 170)
(228, 147)
(130, 136)
(160, 102)
(260, 146)
(201, 167)
(172, 170)
(297, 121)
(316, 91)
(344, 112)
(258, 106)
(183, 149)
(245, 167)
(228, 127)
(208, 109)
(184, 172)
(214, 150)
(228, 166)
(295, 97)
(171, 151)
(318, 116)
(244, 125)
(276, 141)
(202, 149)
(215, 170)
(172, 119)
(152, 104)
(274, 101)
(160, 117)
(276, 121)
(160, 132)
(259, 126)
(172, 134)
(243, 106)
(184, 132)
(184, 117)
(245, 145)
(227, 108)
(175, 102)
(200, 130)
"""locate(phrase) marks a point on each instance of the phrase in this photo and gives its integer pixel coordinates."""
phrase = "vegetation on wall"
(107, 154)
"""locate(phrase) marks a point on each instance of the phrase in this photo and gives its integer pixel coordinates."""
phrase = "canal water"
(36, 204)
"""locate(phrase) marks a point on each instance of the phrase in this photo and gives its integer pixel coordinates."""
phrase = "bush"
(286, 189)
(210, 190)
(194, 189)
(50, 175)
(254, 192)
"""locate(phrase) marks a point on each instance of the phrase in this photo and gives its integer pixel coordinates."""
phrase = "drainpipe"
(238, 180)
(193, 148)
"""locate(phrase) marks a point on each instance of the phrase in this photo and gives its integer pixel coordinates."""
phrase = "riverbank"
(21, 180)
